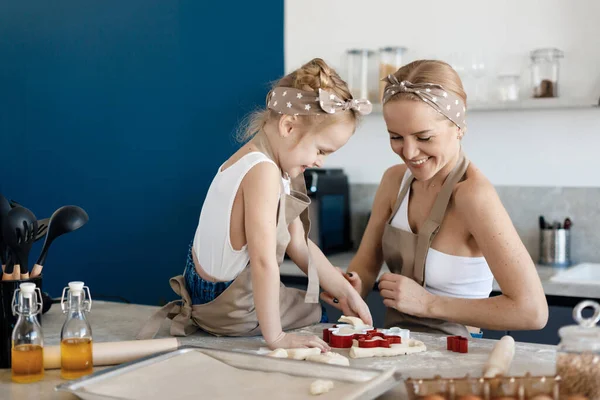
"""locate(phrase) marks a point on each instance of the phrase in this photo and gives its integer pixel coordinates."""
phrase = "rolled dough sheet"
(194, 375)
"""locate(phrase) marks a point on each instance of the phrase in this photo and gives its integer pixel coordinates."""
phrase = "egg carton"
(526, 387)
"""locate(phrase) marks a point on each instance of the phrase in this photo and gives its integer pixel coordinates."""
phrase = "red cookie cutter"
(341, 341)
(327, 331)
(382, 340)
(458, 344)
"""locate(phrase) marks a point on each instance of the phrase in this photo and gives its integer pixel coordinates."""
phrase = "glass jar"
(361, 73)
(578, 354)
(508, 87)
(76, 357)
(544, 72)
(390, 60)
(27, 353)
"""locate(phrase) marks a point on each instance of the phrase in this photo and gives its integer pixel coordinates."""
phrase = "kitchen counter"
(561, 289)
(116, 321)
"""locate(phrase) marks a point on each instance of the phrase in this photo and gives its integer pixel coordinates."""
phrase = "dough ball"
(320, 386)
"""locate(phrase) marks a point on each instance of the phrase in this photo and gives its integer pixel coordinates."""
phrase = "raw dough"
(330, 358)
(413, 346)
(320, 386)
(354, 321)
(278, 353)
(312, 354)
(301, 354)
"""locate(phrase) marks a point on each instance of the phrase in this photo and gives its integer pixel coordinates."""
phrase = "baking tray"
(195, 372)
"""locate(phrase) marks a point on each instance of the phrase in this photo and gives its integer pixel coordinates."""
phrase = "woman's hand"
(351, 277)
(404, 295)
(294, 341)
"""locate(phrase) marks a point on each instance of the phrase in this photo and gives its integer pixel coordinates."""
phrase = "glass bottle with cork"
(27, 354)
(76, 334)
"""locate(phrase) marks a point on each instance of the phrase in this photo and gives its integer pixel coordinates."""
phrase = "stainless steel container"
(555, 247)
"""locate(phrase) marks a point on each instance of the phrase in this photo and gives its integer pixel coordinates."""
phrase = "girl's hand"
(356, 306)
(404, 294)
(352, 304)
(294, 341)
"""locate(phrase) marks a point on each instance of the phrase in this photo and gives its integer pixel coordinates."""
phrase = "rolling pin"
(500, 358)
(113, 353)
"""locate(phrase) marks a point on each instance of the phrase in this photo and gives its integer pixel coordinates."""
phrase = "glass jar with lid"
(390, 60)
(508, 87)
(361, 73)
(544, 72)
(578, 354)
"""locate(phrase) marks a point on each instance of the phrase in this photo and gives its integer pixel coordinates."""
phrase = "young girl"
(438, 223)
(256, 210)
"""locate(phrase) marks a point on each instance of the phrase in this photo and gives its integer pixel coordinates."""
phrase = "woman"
(438, 223)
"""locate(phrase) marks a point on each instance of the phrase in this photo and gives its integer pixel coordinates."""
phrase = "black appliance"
(329, 211)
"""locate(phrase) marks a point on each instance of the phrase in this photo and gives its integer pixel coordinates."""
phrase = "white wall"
(532, 148)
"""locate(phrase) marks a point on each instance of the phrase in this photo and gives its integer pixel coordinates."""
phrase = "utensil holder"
(8, 320)
(555, 247)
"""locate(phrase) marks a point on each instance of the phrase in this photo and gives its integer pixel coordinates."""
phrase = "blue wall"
(127, 109)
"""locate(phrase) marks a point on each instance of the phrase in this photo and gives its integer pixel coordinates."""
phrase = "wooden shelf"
(525, 104)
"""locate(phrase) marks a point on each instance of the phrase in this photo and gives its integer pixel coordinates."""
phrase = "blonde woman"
(438, 223)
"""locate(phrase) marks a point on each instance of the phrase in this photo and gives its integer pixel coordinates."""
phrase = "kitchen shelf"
(526, 104)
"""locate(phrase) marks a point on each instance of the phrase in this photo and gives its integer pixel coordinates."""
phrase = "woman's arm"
(522, 304)
(369, 257)
(329, 278)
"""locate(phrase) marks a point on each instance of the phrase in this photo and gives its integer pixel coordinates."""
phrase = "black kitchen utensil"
(64, 220)
(542, 222)
(20, 229)
(4, 209)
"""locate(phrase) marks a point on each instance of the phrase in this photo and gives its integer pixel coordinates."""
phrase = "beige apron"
(405, 253)
(232, 313)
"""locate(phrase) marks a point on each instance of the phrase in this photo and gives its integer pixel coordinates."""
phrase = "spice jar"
(390, 60)
(578, 354)
(544, 72)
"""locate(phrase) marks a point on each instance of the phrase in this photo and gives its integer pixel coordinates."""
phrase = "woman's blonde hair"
(312, 76)
(430, 71)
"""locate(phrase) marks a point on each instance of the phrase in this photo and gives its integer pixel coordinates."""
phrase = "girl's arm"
(260, 191)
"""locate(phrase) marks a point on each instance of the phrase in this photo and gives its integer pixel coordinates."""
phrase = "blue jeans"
(202, 291)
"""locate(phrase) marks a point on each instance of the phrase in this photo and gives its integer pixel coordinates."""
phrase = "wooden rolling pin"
(113, 353)
(500, 358)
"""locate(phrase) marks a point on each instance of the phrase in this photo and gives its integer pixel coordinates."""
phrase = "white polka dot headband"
(291, 101)
(446, 103)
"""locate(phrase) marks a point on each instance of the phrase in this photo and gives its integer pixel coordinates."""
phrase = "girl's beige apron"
(405, 253)
(232, 313)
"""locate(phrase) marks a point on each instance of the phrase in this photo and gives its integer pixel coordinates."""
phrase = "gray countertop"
(115, 322)
(551, 288)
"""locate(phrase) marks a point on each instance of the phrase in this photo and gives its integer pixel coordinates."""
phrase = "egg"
(577, 397)
(433, 397)
(541, 397)
(470, 397)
